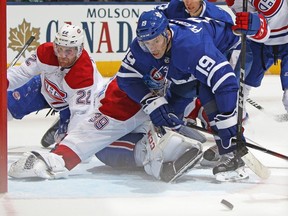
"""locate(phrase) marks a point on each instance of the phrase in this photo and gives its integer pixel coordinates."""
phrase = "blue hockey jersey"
(197, 54)
(176, 9)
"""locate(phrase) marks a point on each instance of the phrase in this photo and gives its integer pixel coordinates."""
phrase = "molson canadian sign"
(109, 28)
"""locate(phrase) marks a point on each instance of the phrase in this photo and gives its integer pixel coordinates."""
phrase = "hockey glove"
(247, 23)
(160, 114)
(285, 99)
(227, 130)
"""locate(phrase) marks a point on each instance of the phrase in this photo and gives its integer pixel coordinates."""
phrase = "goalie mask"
(69, 36)
(151, 24)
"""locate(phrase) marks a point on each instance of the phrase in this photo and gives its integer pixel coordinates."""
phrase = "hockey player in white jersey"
(266, 26)
(60, 75)
(139, 92)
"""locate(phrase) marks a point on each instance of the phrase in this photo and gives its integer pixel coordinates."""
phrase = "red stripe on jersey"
(123, 144)
(82, 72)
(280, 29)
(117, 104)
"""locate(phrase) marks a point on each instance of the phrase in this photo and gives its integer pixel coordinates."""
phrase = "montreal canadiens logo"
(54, 92)
(156, 75)
(267, 7)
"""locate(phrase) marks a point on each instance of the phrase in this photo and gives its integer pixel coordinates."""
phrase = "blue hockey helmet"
(151, 24)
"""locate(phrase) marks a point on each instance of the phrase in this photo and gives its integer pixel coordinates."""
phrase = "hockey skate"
(212, 158)
(171, 171)
(48, 138)
(232, 169)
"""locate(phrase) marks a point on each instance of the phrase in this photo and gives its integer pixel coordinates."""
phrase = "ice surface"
(98, 190)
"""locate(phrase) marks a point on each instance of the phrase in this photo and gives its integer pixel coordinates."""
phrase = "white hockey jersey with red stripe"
(276, 14)
(73, 87)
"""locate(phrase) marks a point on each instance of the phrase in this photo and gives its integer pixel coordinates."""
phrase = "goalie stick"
(278, 118)
(26, 45)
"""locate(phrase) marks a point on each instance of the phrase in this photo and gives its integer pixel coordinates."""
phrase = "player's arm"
(130, 80)
(251, 23)
(214, 70)
(19, 75)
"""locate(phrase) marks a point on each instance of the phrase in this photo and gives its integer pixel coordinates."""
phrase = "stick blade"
(256, 166)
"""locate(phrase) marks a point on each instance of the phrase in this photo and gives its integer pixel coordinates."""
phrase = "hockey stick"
(26, 45)
(278, 118)
(241, 147)
(250, 145)
(242, 151)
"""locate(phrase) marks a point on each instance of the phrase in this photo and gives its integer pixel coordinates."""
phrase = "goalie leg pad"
(171, 171)
(40, 165)
(167, 148)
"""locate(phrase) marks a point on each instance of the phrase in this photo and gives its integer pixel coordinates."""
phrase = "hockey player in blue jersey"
(157, 79)
(176, 9)
(183, 67)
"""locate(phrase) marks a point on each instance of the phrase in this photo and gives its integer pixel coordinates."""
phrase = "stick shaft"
(265, 150)
(26, 45)
(241, 81)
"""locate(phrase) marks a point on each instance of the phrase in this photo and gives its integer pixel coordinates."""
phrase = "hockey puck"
(227, 204)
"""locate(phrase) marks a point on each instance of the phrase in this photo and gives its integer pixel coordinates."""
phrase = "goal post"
(3, 98)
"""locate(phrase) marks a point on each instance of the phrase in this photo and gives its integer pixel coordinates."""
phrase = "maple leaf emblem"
(19, 36)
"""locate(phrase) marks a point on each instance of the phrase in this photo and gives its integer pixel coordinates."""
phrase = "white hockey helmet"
(70, 36)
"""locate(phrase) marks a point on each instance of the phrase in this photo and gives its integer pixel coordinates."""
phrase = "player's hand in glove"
(160, 114)
(285, 99)
(252, 24)
(247, 23)
(227, 130)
